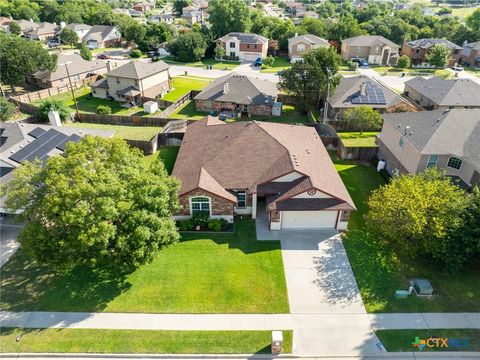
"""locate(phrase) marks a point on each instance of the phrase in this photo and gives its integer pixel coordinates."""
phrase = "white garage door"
(251, 56)
(309, 219)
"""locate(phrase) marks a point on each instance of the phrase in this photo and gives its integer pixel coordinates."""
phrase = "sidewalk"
(425, 321)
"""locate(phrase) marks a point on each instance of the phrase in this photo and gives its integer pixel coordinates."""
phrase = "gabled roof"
(244, 38)
(99, 32)
(369, 40)
(241, 90)
(43, 28)
(308, 39)
(77, 65)
(442, 132)
(472, 46)
(455, 92)
(218, 157)
(139, 69)
(78, 27)
(428, 43)
(349, 88)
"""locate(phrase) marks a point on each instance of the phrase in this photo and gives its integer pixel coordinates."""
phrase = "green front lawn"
(398, 71)
(357, 139)
(279, 65)
(168, 154)
(379, 272)
(138, 341)
(204, 273)
(401, 340)
(122, 131)
(188, 112)
(183, 85)
(216, 64)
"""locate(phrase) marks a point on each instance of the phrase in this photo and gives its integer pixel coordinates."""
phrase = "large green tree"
(69, 37)
(364, 118)
(229, 15)
(178, 6)
(20, 57)
(422, 215)
(98, 204)
(473, 22)
(188, 47)
(438, 55)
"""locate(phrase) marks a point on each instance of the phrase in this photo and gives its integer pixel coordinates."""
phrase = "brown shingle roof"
(218, 157)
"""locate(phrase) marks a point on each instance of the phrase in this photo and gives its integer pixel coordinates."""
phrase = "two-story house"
(193, 15)
(448, 140)
(470, 54)
(437, 93)
(299, 45)
(279, 173)
(80, 29)
(417, 50)
(244, 47)
(374, 48)
(133, 81)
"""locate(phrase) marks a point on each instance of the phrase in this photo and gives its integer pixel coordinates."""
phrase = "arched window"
(200, 204)
(454, 163)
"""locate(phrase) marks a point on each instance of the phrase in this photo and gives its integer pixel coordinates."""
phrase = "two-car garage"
(309, 219)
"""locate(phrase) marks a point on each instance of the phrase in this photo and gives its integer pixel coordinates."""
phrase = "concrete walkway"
(425, 321)
(9, 229)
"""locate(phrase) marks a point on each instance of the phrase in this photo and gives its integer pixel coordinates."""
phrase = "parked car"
(457, 68)
(360, 62)
(103, 57)
(259, 62)
(53, 43)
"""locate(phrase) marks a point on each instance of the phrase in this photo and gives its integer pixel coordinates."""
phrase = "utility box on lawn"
(277, 342)
(422, 287)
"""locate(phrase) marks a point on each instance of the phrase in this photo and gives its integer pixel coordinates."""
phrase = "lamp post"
(71, 87)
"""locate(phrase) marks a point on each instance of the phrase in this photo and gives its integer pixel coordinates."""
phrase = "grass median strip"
(138, 341)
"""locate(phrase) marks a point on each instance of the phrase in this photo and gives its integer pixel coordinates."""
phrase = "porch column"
(254, 206)
(388, 57)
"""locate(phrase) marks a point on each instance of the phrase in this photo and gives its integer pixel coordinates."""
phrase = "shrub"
(186, 225)
(58, 105)
(444, 74)
(214, 225)
(403, 62)
(104, 109)
(200, 218)
(352, 66)
(6, 109)
(135, 54)
(269, 61)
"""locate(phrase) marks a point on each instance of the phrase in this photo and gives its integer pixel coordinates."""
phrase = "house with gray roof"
(133, 81)
(243, 46)
(239, 94)
(100, 36)
(80, 29)
(300, 44)
(376, 49)
(448, 140)
(437, 93)
(355, 91)
(470, 54)
(40, 31)
(417, 50)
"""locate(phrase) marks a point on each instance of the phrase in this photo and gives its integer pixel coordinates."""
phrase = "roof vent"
(225, 88)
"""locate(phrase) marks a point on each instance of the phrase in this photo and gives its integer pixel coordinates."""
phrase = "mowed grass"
(464, 12)
(289, 116)
(168, 154)
(204, 273)
(379, 271)
(279, 65)
(188, 112)
(401, 340)
(122, 131)
(138, 341)
(184, 84)
(357, 139)
(216, 64)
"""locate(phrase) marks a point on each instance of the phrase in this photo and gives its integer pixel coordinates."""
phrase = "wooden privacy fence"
(122, 119)
(148, 147)
(174, 106)
(356, 152)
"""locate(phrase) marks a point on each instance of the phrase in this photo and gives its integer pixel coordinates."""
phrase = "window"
(454, 163)
(401, 142)
(301, 47)
(232, 53)
(248, 46)
(241, 199)
(200, 204)
(432, 161)
(232, 45)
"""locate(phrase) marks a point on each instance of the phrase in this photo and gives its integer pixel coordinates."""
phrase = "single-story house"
(133, 81)
(437, 93)
(376, 49)
(101, 36)
(299, 45)
(239, 94)
(448, 140)
(42, 31)
(244, 47)
(361, 90)
(280, 172)
(78, 68)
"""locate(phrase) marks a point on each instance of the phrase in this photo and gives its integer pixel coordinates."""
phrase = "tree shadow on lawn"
(28, 286)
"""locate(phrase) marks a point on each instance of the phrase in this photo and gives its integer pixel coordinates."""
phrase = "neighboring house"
(101, 36)
(78, 68)
(310, 14)
(202, 4)
(130, 12)
(41, 31)
(445, 139)
(245, 47)
(80, 29)
(143, 7)
(133, 81)
(361, 90)
(437, 93)
(417, 50)
(239, 94)
(5, 23)
(167, 18)
(299, 45)
(374, 48)
(297, 9)
(278, 172)
(193, 14)
(26, 26)
(470, 54)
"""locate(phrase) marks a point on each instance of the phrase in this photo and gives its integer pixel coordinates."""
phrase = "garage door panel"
(309, 219)
(251, 57)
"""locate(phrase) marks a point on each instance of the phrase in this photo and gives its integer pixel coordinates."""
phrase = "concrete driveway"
(329, 317)
(9, 230)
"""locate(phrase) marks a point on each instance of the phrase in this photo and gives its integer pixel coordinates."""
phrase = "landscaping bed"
(138, 341)
(203, 273)
(201, 222)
